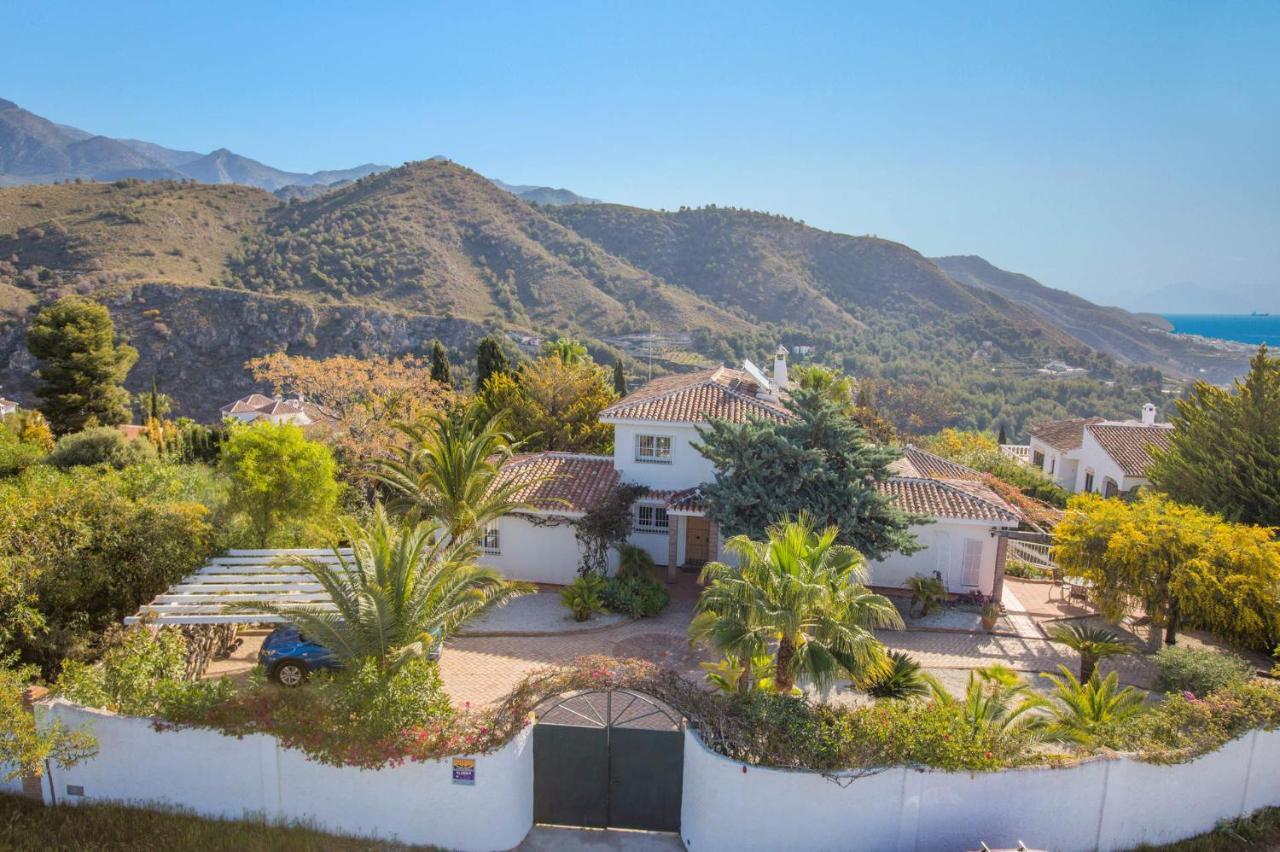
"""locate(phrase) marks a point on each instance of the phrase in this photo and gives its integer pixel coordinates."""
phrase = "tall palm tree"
(403, 588)
(1093, 644)
(996, 697)
(801, 594)
(1082, 709)
(450, 470)
(568, 350)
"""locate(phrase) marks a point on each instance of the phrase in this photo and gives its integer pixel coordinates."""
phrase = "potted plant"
(990, 614)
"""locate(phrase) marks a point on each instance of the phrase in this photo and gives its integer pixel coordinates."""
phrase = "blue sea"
(1239, 327)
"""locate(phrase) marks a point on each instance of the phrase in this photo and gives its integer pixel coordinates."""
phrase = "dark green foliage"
(619, 379)
(818, 462)
(606, 526)
(82, 366)
(637, 595)
(1001, 437)
(1224, 453)
(490, 359)
(1199, 671)
(101, 445)
(439, 363)
(904, 679)
(583, 597)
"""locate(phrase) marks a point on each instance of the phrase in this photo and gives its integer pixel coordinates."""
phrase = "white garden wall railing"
(1106, 804)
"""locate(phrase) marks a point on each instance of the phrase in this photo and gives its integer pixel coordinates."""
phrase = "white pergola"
(241, 577)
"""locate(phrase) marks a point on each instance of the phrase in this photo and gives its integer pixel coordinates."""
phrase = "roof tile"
(563, 482)
(1129, 443)
(721, 393)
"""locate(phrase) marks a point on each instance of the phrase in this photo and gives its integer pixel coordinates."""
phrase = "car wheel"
(290, 673)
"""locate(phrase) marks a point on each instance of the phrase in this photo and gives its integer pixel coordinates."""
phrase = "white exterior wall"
(1102, 804)
(653, 543)
(1093, 457)
(539, 554)
(944, 552)
(219, 776)
(688, 467)
(1063, 464)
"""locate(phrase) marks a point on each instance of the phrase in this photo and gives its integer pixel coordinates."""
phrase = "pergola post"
(673, 546)
(1002, 553)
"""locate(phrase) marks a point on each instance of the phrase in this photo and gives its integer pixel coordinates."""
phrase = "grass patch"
(1261, 830)
(29, 825)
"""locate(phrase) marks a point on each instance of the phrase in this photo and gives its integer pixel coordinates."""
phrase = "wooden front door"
(697, 536)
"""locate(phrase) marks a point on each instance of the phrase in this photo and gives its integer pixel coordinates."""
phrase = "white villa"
(7, 406)
(256, 406)
(1103, 456)
(654, 431)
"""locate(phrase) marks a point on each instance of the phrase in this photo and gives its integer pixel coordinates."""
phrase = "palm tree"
(903, 681)
(1093, 644)
(569, 351)
(1081, 709)
(801, 594)
(404, 588)
(996, 697)
(451, 471)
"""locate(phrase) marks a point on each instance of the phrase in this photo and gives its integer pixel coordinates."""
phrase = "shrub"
(1024, 570)
(100, 445)
(141, 674)
(23, 748)
(635, 595)
(927, 593)
(582, 596)
(1183, 726)
(1198, 670)
(634, 560)
(904, 679)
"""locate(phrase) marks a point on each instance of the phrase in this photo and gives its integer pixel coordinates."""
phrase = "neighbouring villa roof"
(1063, 434)
(560, 482)
(939, 498)
(1129, 443)
(720, 393)
(265, 405)
(920, 464)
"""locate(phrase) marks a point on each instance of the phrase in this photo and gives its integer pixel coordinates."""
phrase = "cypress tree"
(1002, 439)
(490, 359)
(619, 378)
(439, 363)
(82, 367)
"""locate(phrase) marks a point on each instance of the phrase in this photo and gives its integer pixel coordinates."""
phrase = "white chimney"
(780, 380)
(1148, 415)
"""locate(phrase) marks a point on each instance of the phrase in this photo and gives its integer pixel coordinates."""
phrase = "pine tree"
(490, 359)
(439, 363)
(820, 463)
(1224, 452)
(82, 366)
(619, 379)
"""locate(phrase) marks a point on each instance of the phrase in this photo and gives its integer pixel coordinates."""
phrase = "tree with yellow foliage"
(553, 404)
(1186, 566)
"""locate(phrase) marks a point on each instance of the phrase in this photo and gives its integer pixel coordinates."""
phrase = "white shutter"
(972, 561)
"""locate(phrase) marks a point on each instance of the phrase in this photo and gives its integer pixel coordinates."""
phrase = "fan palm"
(903, 680)
(403, 588)
(996, 697)
(1081, 709)
(451, 470)
(1093, 644)
(801, 594)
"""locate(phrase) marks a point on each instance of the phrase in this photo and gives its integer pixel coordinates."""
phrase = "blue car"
(288, 656)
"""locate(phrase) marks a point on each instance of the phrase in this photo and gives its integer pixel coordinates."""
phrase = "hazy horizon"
(1111, 152)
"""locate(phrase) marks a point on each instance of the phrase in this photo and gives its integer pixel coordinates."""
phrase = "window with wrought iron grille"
(654, 449)
(491, 544)
(652, 519)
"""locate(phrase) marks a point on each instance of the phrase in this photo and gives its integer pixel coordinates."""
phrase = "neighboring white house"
(256, 406)
(655, 428)
(1102, 456)
(7, 406)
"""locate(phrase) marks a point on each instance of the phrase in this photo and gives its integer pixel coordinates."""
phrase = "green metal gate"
(608, 759)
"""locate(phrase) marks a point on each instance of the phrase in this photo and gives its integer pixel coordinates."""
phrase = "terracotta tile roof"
(252, 402)
(577, 483)
(949, 499)
(1063, 434)
(688, 500)
(918, 463)
(720, 393)
(1128, 443)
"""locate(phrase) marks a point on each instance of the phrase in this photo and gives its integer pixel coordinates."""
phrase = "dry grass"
(28, 825)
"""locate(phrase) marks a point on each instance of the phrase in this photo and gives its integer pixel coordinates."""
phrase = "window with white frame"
(652, 519)
(654, 449)
(491, 544)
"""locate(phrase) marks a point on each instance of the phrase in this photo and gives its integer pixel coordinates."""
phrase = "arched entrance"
(610, 758)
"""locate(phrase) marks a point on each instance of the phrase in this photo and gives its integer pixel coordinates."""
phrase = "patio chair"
(1059, 583)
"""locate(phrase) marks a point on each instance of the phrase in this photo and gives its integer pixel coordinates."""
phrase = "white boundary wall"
(1102, 804)
(220, 776)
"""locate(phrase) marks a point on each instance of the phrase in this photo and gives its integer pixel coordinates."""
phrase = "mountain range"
(201, 276)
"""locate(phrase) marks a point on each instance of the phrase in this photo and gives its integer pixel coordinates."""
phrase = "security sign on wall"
(464, 770)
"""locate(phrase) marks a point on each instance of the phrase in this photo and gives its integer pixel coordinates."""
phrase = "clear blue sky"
(1108, 148)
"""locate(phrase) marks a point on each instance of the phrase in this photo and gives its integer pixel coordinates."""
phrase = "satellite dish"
(755, 373)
